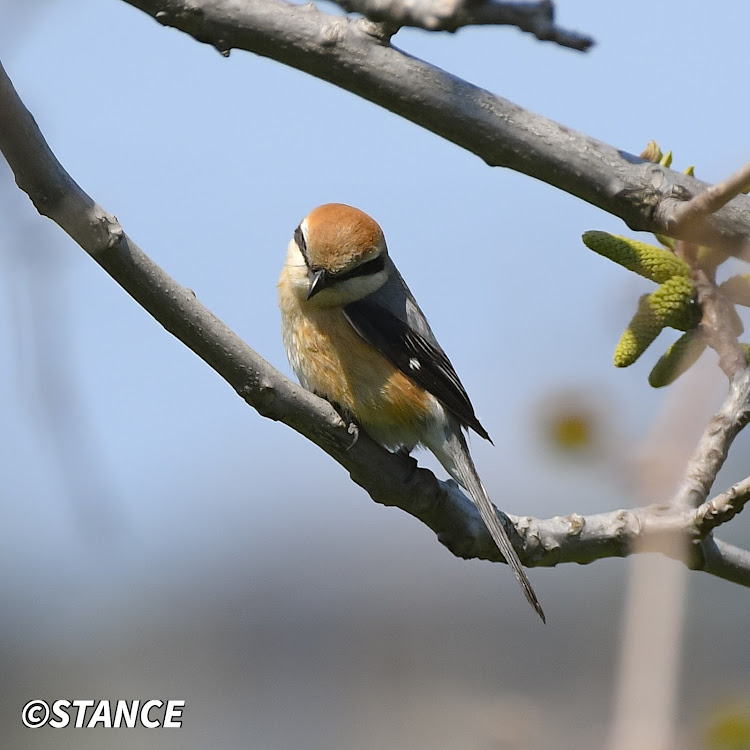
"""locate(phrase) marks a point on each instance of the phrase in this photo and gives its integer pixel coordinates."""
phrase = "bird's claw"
(353, 430)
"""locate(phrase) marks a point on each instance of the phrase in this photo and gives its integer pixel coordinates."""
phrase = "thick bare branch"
(388, 478)
(355, 55)
(537, 18)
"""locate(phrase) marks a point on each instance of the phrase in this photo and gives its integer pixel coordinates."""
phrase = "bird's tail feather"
(455, 457)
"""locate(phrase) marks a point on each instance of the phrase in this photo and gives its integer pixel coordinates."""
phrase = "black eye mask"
(365, 269)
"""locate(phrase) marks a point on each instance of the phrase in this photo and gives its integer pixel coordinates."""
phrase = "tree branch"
(713, 198)
(726, 561)
(354, 54)
(723, 507)
(713, 447)
(537, 18)
(387, 477)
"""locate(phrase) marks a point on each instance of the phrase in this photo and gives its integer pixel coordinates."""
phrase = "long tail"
(455, 457)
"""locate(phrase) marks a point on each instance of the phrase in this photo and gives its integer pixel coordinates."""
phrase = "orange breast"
(334, 361)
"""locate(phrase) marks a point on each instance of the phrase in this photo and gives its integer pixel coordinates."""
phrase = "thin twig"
(719, 324)
(711, 199)
(725, 561)
(713, 447)
(537, 18)
(723, 507)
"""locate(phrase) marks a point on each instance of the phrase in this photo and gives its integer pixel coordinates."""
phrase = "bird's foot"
(353, 430)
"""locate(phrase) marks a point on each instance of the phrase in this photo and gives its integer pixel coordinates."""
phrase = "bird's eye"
(299, 238)
(373, 266)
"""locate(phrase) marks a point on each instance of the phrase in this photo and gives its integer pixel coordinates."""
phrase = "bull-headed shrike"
(355, 335)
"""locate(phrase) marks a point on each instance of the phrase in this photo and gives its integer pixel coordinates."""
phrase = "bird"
(355, 336)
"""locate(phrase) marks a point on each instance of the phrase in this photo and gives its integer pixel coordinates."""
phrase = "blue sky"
(209, 164)
(158, 534)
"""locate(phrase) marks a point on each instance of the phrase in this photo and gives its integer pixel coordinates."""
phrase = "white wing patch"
(414, 364)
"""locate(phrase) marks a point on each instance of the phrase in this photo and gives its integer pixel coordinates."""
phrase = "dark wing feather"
(409, 351)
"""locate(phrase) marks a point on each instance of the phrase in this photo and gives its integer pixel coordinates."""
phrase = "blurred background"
(155, 543)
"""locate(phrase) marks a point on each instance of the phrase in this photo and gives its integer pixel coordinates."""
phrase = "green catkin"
(681, 356)
(649, 261)
(641, 331)
(673, 304)
(670, 305)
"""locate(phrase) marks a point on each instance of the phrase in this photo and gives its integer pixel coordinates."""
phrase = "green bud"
(666, 160)
(670, 305)
(652, 152)
(680, 357)
(649, 261)
(641, 331)
(669, 242)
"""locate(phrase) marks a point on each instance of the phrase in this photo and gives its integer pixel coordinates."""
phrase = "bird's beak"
(317, 282)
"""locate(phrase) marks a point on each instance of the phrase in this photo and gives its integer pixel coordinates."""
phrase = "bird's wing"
(418, 358)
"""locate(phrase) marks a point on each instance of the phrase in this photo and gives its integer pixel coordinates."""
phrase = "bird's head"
(338, 254)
